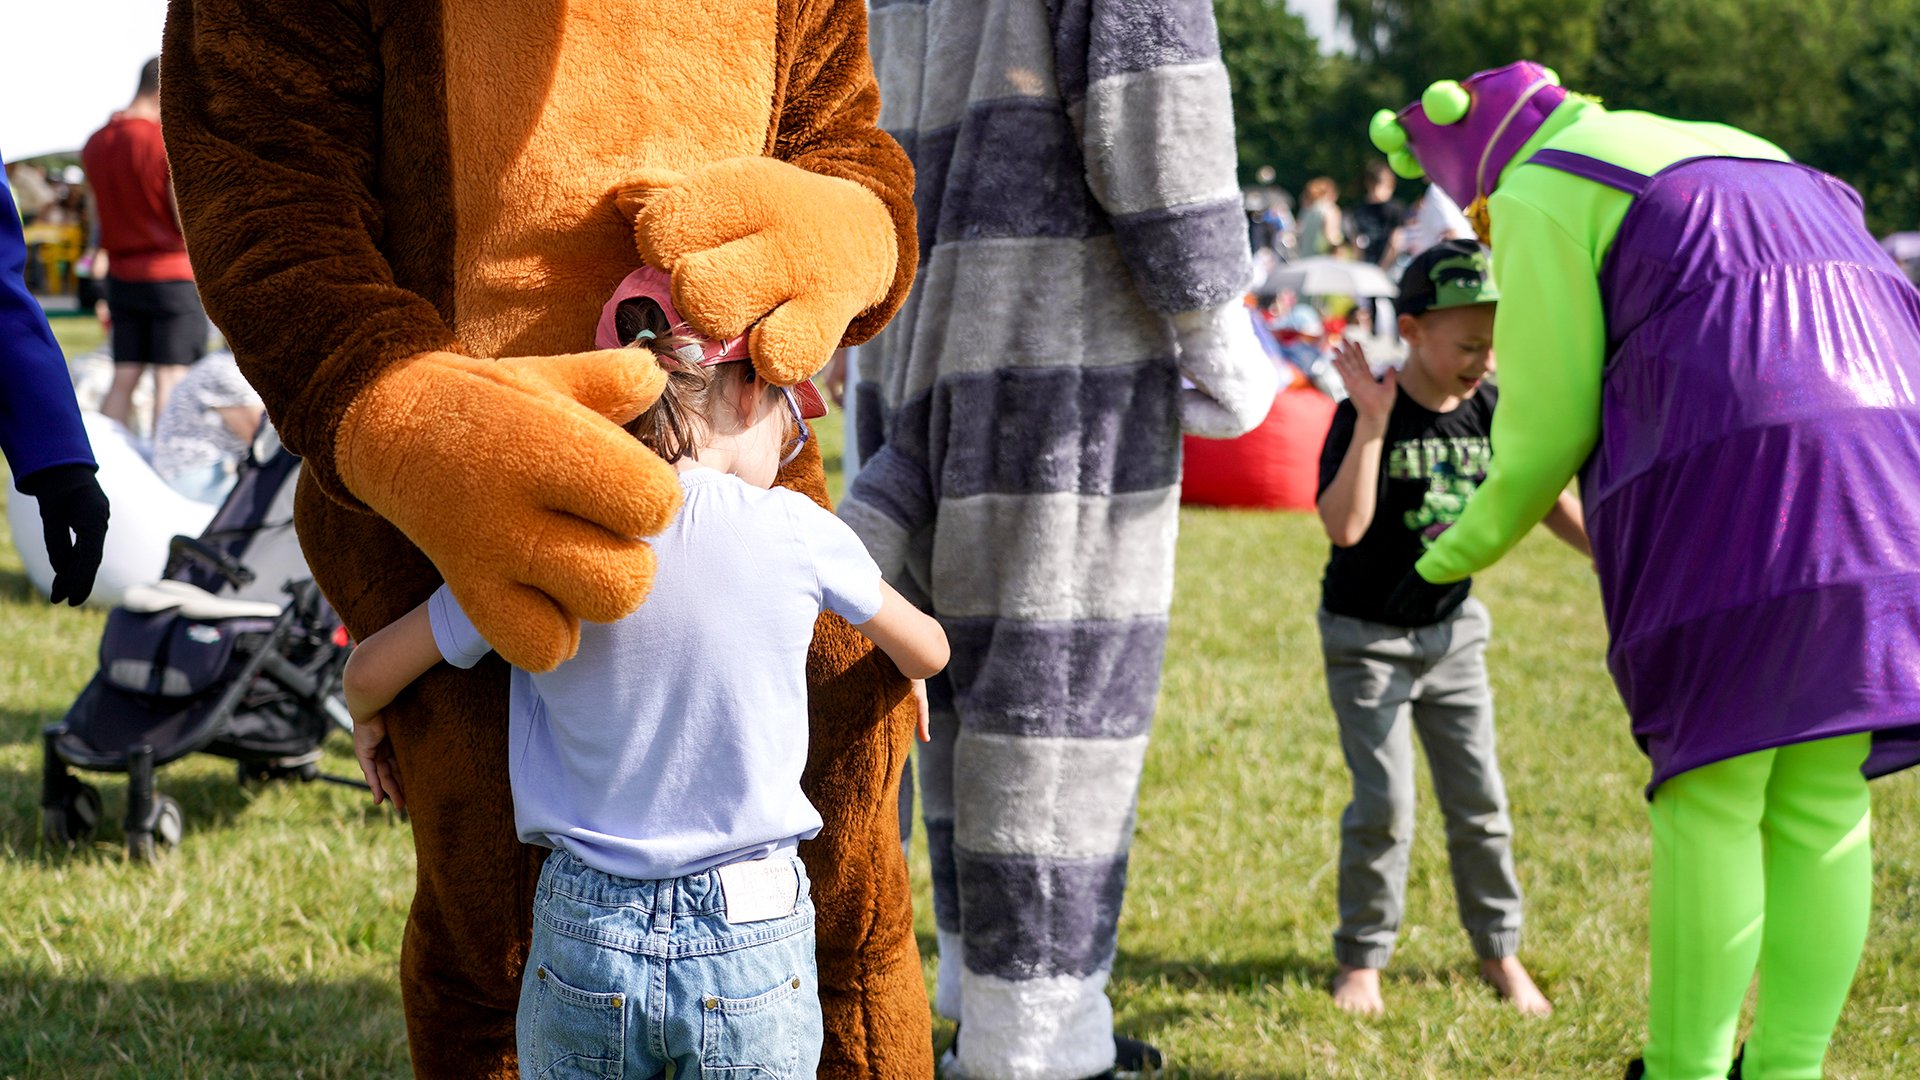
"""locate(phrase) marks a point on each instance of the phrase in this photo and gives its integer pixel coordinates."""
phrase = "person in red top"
(156, 313)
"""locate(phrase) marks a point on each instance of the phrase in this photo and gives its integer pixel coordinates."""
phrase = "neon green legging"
(1763, 859)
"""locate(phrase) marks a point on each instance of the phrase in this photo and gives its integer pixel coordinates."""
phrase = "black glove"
(73, 516)
(1419, 602)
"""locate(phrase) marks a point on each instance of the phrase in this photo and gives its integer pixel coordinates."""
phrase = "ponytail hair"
(679, 423)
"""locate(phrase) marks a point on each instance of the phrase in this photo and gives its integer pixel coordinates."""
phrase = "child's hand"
(1372, 398)
(922, 710)
(374, 751)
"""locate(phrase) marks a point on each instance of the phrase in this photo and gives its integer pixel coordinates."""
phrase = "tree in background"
(1876, 143)
(1415, 42)
(1279, 84)
(1835, 82)
(1772, 67)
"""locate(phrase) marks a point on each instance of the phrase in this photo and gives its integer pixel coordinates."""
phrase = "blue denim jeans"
(627, 976)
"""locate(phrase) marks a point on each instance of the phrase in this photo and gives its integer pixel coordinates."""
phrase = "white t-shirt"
(1437, 218)
(674, 741)
(190, 434)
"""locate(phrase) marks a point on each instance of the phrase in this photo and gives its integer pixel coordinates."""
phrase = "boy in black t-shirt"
(1403, 455)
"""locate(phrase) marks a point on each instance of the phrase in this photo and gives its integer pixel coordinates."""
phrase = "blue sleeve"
(39, 418)
(460, 644)
(849, 578)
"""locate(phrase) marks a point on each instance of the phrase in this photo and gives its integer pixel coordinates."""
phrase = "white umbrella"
(1321, 276)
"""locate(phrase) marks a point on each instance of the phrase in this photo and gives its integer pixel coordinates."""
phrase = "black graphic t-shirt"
(1429, 463)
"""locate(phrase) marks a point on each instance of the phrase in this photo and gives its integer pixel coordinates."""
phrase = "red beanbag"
(1276, 466)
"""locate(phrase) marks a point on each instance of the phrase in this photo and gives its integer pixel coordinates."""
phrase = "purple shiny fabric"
(1453, 154)
(1754, 500)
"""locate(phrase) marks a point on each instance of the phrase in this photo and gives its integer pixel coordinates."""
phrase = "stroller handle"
(197, 550)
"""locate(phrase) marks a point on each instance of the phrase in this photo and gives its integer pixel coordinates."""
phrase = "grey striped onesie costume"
(1082, 248)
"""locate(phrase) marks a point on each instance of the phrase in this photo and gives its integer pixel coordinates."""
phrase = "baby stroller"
(235, 654)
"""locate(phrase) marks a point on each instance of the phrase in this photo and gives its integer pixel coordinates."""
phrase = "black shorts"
(156, 322)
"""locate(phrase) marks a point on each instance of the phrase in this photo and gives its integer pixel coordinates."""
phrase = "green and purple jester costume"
(1708, 336)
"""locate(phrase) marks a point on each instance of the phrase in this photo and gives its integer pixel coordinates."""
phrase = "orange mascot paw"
(510, 476)
(754, 242)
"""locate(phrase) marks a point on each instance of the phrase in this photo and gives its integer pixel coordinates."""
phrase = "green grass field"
(267, 944)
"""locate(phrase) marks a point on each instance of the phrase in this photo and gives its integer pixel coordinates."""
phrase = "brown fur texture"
(559, 541)
(731, 221)
(872, 995)
(382, 197)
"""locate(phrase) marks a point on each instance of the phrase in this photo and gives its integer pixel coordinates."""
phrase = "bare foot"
(1357, 990)
(1512, 982)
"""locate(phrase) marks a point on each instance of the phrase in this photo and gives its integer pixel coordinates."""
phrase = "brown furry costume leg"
(471, 918)
(872, 996)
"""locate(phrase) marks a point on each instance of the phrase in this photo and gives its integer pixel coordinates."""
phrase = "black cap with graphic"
(1450, 274)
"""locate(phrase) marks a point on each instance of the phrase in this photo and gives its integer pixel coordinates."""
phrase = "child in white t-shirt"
(662, 763)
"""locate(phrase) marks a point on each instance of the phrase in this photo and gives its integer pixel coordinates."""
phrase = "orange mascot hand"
(756, 242)
(512, 476)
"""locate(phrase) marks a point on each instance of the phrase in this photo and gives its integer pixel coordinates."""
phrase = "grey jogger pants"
(1385, 682)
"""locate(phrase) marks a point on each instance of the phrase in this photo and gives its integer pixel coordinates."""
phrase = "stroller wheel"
(71, 823)
(143, 845)
(251, 773)
(171, 823)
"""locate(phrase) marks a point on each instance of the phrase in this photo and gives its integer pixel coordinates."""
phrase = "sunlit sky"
(66, 64)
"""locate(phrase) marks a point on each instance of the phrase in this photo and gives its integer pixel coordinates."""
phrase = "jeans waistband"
(694, 894)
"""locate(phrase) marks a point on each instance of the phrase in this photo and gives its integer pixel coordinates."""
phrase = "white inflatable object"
(146, 515)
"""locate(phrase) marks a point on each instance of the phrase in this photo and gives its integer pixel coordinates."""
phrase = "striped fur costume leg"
(1021, 431)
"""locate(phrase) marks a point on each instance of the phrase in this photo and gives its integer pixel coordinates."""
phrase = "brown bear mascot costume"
(405, 217)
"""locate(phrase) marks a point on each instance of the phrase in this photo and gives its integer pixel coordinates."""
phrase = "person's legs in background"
(180, 333)
(118, 404)
(165, 378)
(132, 331)
(1819, 857)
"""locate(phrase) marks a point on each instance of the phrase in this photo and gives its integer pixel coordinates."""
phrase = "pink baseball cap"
(656, 285)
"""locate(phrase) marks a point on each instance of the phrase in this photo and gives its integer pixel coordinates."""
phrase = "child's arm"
(1551, 337)
(1346, 507)
(911, 638)
(377, 670)
(388, 662)
(1567, 521)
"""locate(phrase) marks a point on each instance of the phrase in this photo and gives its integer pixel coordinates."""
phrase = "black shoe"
(1638, 1068)
(1134, 1060)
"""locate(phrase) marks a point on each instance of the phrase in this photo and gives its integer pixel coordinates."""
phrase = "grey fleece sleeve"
(1148, 93)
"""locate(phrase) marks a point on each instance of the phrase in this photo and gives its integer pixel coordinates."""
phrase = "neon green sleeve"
(1549, 341)
(1549, 337)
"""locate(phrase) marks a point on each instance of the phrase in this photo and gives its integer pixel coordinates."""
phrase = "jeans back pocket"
(570, 1033)
(759, 1038)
